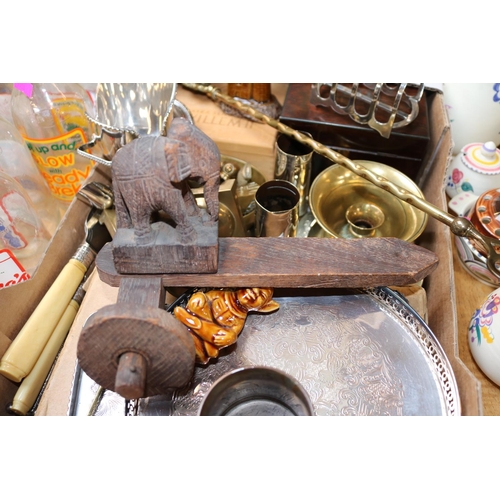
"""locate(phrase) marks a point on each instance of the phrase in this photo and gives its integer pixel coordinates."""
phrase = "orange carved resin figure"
(216, 318)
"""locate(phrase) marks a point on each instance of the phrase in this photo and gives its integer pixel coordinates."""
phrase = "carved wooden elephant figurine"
(151, 173)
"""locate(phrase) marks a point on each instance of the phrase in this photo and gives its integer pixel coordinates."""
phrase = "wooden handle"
(32, 384)
(26, 348)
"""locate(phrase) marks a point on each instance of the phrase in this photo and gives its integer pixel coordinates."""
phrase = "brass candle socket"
(364, 219)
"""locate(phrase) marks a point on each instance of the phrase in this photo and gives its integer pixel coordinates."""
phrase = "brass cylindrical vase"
(293, 164)
(276, 209)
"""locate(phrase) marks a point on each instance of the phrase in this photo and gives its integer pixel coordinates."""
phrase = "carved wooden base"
(163, 252)
(299, 263)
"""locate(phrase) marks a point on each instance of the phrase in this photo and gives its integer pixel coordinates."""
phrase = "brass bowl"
(347, 206)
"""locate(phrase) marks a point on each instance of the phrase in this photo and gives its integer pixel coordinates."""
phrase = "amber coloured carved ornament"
(215, 318)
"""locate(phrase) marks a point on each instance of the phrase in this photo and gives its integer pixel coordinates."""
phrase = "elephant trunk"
(211, 195)
(179, 162)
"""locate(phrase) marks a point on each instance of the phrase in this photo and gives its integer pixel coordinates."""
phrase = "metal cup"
(276, 209)
(256, 391)
(293, 164)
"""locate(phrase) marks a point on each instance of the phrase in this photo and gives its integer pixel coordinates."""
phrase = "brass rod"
(460, 226)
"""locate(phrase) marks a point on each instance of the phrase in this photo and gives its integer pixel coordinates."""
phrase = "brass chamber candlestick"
(459, 226)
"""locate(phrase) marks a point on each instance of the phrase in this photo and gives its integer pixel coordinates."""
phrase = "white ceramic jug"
(474, 112)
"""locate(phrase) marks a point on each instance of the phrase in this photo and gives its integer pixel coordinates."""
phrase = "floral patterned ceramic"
(475, 170)
(484, 336)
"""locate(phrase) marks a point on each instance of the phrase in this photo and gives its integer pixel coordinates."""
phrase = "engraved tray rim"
(428, 342)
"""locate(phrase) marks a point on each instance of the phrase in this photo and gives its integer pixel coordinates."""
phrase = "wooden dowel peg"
(130, 379)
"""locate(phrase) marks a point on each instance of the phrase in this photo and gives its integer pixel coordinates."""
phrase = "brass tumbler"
(276, 209)
(293, 164)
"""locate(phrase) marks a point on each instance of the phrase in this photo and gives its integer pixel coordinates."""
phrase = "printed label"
(69, 114)
(11, 271)
(12, 206)
(61, 166)
(202, 116)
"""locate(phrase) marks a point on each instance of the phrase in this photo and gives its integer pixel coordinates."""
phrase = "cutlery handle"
(23, 353)
(30, 387)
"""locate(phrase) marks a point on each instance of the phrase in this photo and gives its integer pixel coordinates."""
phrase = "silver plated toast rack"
(381, 106)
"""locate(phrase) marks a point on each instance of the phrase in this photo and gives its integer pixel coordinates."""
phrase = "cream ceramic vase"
(484, 336)
(474, 112)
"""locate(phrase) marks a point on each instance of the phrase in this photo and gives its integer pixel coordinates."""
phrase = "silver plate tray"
(354, 352)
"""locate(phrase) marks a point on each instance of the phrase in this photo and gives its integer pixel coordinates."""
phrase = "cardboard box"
(238, 137)
(18, 302)
(439, 286)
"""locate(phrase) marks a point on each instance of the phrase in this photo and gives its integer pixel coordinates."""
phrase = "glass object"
(21, 230)
(17, 162)
(51, 118)
(5, 99)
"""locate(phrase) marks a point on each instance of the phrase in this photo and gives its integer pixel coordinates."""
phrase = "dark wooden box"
(406, 149)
